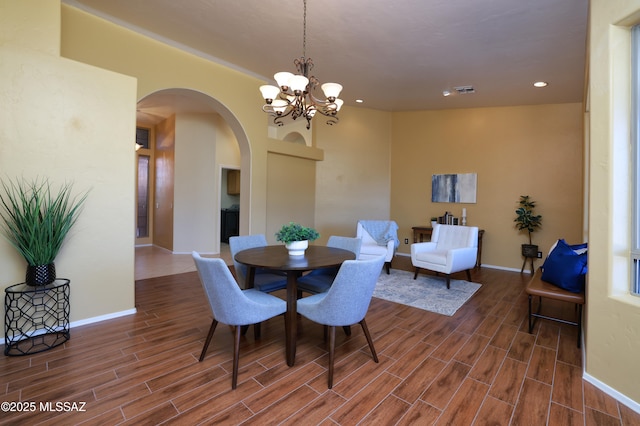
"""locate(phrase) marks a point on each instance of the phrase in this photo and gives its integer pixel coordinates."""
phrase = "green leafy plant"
(36, 219)
(525, 219)
(296, 232)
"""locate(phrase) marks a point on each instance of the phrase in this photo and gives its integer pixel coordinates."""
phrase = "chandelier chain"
(304, 31)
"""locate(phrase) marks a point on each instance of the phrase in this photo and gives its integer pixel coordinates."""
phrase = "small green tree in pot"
(527, 220)
(36, 220)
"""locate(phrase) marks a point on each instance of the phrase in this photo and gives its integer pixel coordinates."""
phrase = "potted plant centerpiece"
(36, 220)
(296, 237)
(526, 220)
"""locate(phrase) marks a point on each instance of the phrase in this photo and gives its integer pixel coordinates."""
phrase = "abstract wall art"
(454, 188)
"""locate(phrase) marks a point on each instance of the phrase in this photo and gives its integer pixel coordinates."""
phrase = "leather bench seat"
(543, 289)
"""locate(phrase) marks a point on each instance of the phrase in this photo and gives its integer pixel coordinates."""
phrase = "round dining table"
(277, 258)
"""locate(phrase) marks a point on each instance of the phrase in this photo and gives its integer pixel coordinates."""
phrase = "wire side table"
(36, 317)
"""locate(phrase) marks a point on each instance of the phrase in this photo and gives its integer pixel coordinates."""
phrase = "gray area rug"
(426, 292)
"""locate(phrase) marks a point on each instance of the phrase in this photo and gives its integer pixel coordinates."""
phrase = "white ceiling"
(396, 55)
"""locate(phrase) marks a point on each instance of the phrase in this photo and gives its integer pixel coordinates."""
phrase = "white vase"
(297, 248)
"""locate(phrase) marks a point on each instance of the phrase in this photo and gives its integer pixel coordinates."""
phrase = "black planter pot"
(529, 250)
(40, 274)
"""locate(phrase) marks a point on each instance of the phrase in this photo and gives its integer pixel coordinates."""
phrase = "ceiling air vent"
(463, 90)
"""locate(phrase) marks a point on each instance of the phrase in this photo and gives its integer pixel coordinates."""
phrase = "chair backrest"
(454, 236)
(346, 243)
(347, 301)
(225, 297)
(244, 242)
(377, 232)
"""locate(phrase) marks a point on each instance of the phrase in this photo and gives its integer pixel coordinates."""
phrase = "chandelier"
(294, 96)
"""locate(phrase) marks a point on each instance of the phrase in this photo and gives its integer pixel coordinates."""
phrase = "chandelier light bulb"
(269, 92)
(331, 90)
(298, 83)
(339, 103)
(279, 106)
(282, 78)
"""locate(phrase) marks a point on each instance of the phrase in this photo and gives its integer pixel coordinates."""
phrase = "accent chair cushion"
(566, 266)
(438, 257)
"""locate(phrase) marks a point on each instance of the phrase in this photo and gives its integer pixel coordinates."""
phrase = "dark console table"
(36, 317)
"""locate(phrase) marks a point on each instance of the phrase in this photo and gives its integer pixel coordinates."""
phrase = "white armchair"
(383, 242)
(452, 249)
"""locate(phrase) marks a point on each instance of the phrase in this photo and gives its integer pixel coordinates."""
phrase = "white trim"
(101, 318)
(623, 399)
(80, 323)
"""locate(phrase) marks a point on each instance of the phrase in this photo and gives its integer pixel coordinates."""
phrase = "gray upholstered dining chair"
(319, 280)
(264, 280)
(233, 306)
(345, 303)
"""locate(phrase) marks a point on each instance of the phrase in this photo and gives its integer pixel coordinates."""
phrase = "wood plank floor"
(478, 367)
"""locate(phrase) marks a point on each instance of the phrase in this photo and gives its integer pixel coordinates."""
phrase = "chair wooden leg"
(369, 340)
(236, 356)
(448, 281)
(256, 331)
(387, 267)
(347, 330)
(469, 275)
(332, 349)
(214, 323)
(416, 274)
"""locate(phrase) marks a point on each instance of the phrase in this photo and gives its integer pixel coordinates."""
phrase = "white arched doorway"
(195, 137)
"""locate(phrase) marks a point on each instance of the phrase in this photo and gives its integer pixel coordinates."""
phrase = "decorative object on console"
(294, 95)
(454, 188)
(296, 237)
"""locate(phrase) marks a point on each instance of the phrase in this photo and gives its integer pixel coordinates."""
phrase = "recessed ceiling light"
(359, 101)
(446, 93)
(540, 84)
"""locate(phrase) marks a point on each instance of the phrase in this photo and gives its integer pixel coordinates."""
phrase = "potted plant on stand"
(527, 220)
(296, 237)
(36, 221)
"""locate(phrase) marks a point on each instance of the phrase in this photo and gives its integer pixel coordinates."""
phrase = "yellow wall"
(613, 315)
(157, 67)
(197, 183)
(525, 150)
(290, 192)
(71, 122)
(353, 180)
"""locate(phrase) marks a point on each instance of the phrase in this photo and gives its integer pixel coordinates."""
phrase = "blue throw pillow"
(566, 266)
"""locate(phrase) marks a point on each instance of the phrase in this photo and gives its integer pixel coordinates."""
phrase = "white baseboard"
(103, 317)
(82, 322)
(621, 398)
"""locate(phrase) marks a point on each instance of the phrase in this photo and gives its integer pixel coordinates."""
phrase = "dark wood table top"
(277, 257)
